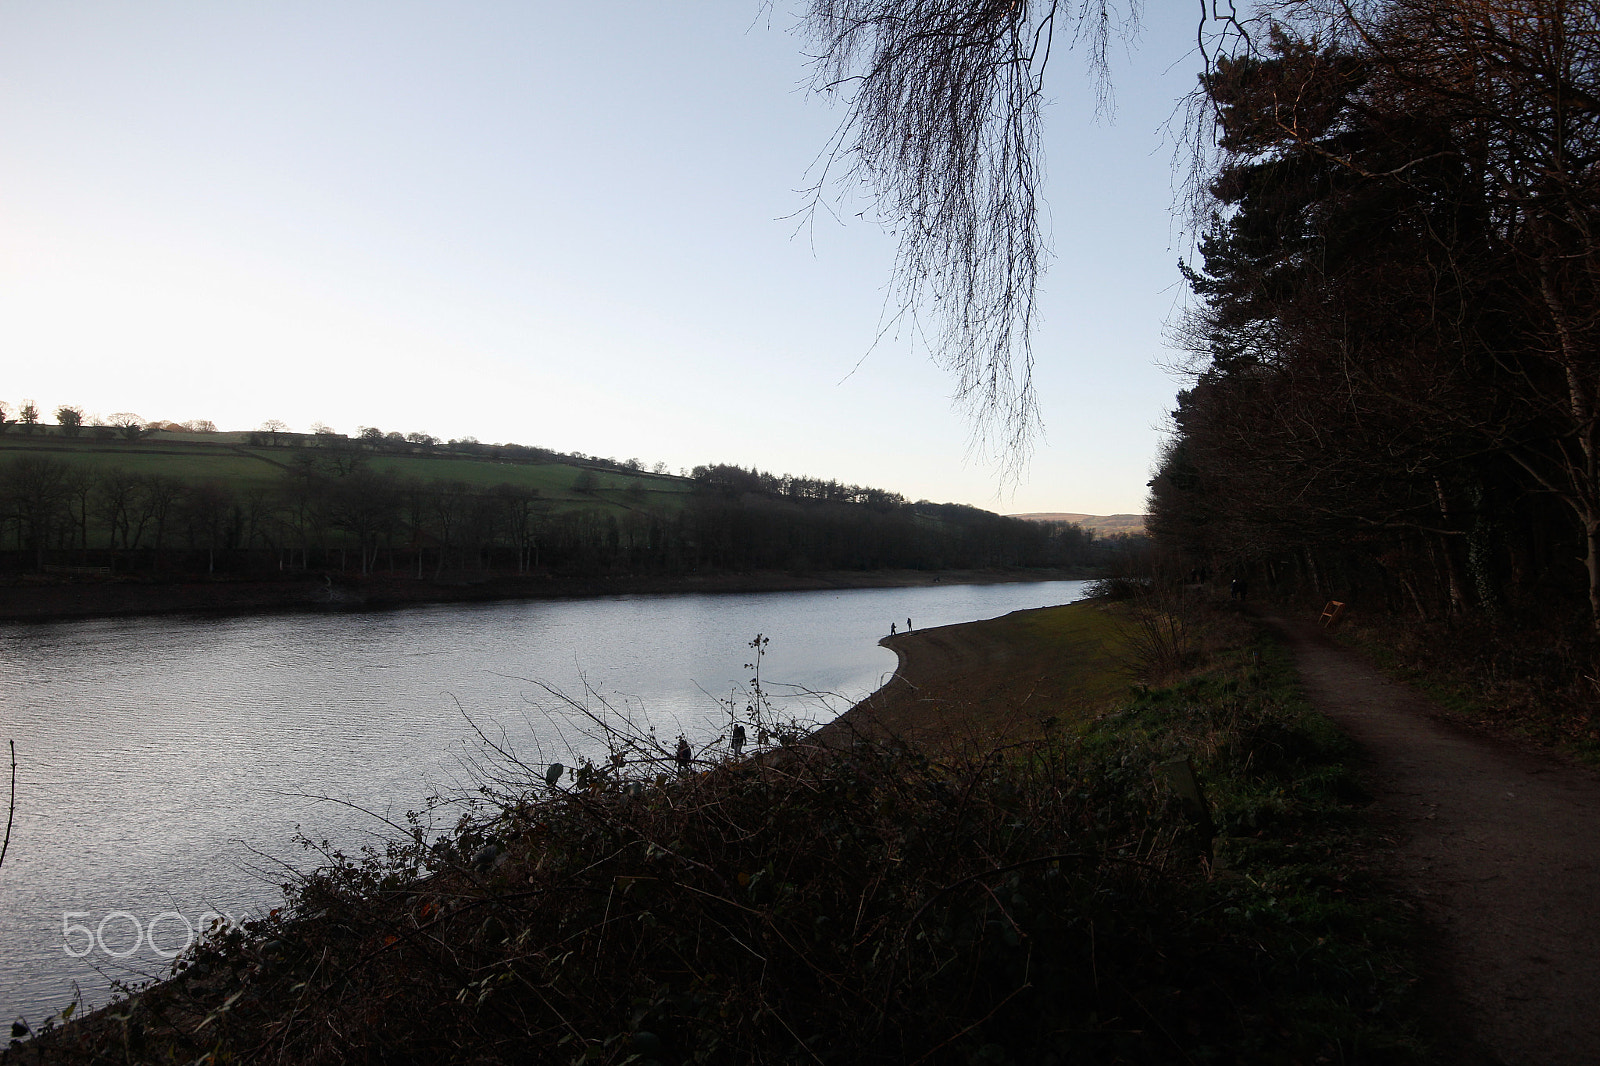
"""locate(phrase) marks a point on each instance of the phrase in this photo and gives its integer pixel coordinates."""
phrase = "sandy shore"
(31, 599)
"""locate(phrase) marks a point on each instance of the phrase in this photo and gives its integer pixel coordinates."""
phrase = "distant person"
(908, 625)
(683, 756)
(891, 629)
(738, 740)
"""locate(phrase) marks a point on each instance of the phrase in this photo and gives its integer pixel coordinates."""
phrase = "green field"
(228, 459)
(186, 460)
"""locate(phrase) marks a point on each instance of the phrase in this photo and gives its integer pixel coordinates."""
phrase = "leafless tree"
(943, 124)
(130, 424)
(162, 494)
(35, 487)
(120, 506)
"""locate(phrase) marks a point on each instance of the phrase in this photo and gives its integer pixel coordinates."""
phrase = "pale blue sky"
(556, 224)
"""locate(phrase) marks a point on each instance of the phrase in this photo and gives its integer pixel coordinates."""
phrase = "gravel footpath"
(1500, 846)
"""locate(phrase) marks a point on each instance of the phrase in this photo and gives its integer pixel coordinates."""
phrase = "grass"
(1091, 640)
(1043, 899)
(551, 479)
(200, 458)
(1016, 679)
(198, 462)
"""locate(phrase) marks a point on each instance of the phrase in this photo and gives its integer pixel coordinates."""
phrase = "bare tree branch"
(11, 815)
(943, 128)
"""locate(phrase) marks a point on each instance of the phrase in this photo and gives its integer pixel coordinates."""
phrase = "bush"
(857, 903)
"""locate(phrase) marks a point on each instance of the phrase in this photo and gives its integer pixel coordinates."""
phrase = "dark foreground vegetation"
(1044, 900)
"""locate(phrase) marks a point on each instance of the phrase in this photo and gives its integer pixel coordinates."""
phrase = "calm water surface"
(164, 764)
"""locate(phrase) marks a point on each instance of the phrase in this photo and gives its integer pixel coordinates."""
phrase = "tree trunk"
(1591, 563)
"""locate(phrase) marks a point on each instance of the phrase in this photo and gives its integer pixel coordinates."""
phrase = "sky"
(565, 225)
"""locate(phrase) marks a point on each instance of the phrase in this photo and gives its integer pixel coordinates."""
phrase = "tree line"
(1395, 380)
(72, 422)
(733, 479)
(334, 509)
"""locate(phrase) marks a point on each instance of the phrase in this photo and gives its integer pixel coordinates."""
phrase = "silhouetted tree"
(119, 506)
(70, 419)
(162, 494)
(366, 504)
(35, 490)
(1400, 296)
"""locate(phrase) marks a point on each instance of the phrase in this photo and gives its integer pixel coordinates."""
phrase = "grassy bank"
(1027, 888)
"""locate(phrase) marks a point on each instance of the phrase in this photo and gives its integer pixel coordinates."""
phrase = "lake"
(164, 764)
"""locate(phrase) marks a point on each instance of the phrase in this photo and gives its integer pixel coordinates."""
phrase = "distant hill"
(385, 507)
(1102, 524)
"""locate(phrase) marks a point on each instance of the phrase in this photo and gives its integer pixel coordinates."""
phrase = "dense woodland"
(331, 507)
(1395, 376)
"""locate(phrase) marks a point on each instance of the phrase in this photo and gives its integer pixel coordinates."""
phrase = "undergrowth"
(1537, 681)
(860, 903)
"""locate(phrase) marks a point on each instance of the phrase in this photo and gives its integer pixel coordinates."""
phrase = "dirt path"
(1500, 847)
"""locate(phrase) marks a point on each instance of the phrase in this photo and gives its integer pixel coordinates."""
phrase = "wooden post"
(1179, 773)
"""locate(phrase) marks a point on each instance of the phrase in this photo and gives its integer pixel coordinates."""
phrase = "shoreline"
(987, 681)
(31, 599)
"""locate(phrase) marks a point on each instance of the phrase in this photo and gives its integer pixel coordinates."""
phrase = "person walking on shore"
(908, 625)
(738, 740)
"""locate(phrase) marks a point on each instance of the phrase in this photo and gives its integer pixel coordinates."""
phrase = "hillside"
(250, 461)
(1100, 525)
(164, 507)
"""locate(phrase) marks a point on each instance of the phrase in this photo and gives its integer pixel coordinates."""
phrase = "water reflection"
(164, 764)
